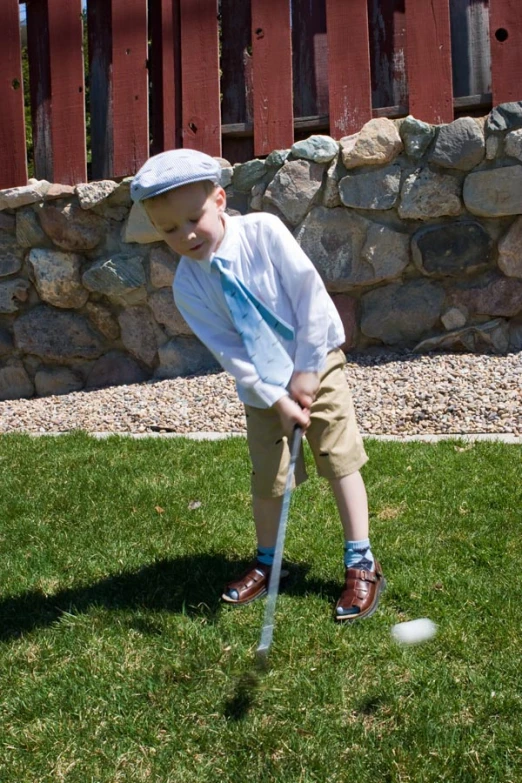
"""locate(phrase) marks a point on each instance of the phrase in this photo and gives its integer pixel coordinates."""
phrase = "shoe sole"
(351, 618)
(230, 601)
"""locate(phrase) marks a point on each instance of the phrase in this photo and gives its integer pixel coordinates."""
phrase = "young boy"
(243, 281)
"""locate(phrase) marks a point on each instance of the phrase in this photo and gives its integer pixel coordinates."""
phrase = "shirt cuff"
(308, 359)
(268, 393)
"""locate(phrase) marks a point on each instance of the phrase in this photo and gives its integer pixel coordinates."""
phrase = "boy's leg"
(270, 457)
(339, 454)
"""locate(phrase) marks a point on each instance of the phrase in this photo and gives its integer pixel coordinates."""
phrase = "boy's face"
(189, 219)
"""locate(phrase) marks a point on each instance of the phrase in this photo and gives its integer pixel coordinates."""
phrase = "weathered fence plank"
(272, 53)
(348, 66)
(470, 47)
(309, 58)
(201, 118)
(506, 50)
(387, 26)
(165, 74)
(119, 86)
(428, 60)
(13, 163)
(55, 41)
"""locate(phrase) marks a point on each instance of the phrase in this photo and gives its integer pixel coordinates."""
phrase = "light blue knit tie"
(256, 324)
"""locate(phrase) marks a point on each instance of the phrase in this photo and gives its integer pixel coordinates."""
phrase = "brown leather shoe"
(360, 595)
(251, 585)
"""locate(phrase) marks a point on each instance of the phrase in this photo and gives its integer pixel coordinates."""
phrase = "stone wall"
(416, 230)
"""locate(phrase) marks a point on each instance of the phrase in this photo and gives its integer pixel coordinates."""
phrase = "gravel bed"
(394, 394)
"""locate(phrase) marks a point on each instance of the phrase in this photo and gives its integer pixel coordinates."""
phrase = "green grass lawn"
(118, 662)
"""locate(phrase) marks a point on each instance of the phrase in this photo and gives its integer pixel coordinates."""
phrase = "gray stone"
(247, 174)
(29, 232)
(7, 222)
(256, 196)
(137, 333)
(385, 255)
(510, 250)
(226, 177)
(183, 356)
(371, 189)
(71, 228)
(121, 278)
(12, 198)
(515, 334)
(506, 116)
(495, 192)
(294, 189)
(334, 174)
(492, 336)
(103, 320)
(401, 313)
(333, 239)
(6, 342)
(56, 335)
(10, 256)
(416, 136)
(15, 384)
(58, 380)
(57, 278)
(426, 195)
(12, 292)
(138, 229)
(454, 318)
(277, 158)
(459, 145)
(452, 249)
(319, 149)
(489, 294)
(377, 143)
(166, 313)
(513, 144)
(115, 369)
(493, 147)
(163, 264)
(93, 193)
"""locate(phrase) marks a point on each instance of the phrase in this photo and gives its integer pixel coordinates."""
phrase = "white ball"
(414, 631)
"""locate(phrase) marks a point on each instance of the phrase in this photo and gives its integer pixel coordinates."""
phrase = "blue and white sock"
(358, 554)
(265, 555)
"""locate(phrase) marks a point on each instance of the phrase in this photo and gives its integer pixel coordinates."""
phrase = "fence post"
(165, 75)
(506, 50)
(201, 111)
(349, 77)
(118, 50)
(55, 47)
(273, 89)
(428, 60)
(13, 163)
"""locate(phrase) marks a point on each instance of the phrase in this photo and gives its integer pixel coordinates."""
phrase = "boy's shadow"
(191, 585)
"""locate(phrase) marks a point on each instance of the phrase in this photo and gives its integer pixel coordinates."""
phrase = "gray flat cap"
(172, 169)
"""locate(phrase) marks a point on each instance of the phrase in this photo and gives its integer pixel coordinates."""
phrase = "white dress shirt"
(267, 259)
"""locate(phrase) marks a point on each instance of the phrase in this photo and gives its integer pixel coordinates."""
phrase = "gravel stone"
(400, 394)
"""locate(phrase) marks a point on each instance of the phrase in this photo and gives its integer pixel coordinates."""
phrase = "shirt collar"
(228, 250)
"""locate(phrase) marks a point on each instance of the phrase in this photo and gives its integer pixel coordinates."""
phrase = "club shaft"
(275, 573)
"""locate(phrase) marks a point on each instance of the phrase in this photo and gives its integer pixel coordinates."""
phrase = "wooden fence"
(238, 78)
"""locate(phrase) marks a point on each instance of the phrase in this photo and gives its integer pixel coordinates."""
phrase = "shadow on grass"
(191, 585)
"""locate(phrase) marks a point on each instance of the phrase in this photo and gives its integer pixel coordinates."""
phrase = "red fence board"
(165, 75)
(348, 66)
(201, 113)
(428, 60)
(55, 39)
(506, 50)
(13, 165)
(272, 53)
(118, 50)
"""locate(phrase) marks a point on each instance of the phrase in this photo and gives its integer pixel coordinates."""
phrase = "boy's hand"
(303, 388)
(291, 414)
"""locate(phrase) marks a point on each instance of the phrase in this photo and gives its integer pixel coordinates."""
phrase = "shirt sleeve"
(306, 292)
(217, 332)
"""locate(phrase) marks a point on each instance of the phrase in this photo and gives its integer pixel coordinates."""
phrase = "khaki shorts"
(333, 436)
